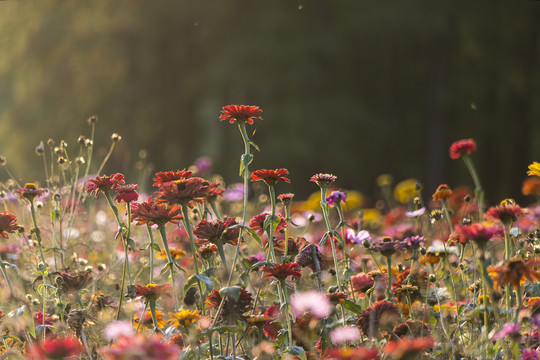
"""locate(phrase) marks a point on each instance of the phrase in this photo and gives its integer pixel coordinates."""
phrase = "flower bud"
(115, 137)
(92, 120)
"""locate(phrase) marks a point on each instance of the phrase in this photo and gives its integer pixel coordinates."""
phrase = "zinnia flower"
(509, 329)
(507, 212)
(104, 183)
(29, 192)
(351, 353)
(323, 180)
(361, 283)
(282, 271)
(56, 348)
(381, 316)
(154, 213)
(218, 232)
(183, 318)
(240, 113)
(169, 176)
(514, 271)
(531, 186)
(387, 246)
(232, 310)
(443, 192)
(8, 224)
(185, 191)
(462, 146)
(127, 193)
(534, 169)
(270, 177)
(286, 198)
(257, 223)
(141, 346)
(305, 257)
(480, 233)
(151, 292)
(408, 348)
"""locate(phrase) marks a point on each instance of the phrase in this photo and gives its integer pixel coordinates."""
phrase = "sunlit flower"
(414, 242)
(183, 318)
(286, 198)
(154, 213)
(462, 146)
(363, 235)
(240, 113)
(313, 301)
(218, 232)
(56, 348)
(214, 192)
(534, 169)
(323, 180)
(175, 254)
(169, 176)
(127, 193)
(184, 191)
(381, 316)
(104, 183)
(387, 246)
(30, 191)
(351, 353)
(257, 223)
(8, 224)
(344, 334)
(507, 212)
(282, 271)
(270, 177)
(147, 322)
(361, 283)
(514, 271)
(141, 346)
(443, 192)
(151, 292)
(336, 197)
(408, 348)
(480, 233)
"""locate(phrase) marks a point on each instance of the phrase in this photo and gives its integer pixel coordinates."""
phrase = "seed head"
(3, 160)
(88, 143)
(81, 139)
(115, 137)
(79, 160)
(92, 120)
(50, 142)
(40, 149)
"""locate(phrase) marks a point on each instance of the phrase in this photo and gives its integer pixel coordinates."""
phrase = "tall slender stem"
(152, 242)
(171, 263)
(479, 191)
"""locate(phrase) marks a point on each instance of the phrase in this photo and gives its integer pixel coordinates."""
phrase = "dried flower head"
(306, 258)
(240, 113)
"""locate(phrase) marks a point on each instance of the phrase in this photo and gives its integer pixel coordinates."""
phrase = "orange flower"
(443, 192)
(151, 292)
(270, 177)
(531, 186)
(514, 271)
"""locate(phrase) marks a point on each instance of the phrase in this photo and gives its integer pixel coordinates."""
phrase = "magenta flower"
(363, 235)
(509, 329)
(415, 213)
(335, 197)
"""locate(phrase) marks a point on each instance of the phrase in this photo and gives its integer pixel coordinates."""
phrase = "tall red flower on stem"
(282, 271)
(184, 191)
(462, 146)
(168, 176)
(478, 232)
(8, 224)
(30, 191)
(56, 348)
(257, 223)
(154, 213)
(270, 177)
(104, 183)
(240, 113)
(151, 292)
(217, 232)
(127, 193)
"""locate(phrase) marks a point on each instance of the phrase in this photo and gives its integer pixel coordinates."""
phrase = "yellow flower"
(175, 254)
(355, 199)
(534, 169)
(183, 318)
(406, 190)
(147, 322)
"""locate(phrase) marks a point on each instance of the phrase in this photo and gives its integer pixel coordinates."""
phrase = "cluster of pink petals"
(313, 301)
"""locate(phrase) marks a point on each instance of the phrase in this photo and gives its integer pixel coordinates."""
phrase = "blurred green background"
(355, 88)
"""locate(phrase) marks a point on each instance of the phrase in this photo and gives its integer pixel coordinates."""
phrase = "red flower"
(282, 271)
(381, 316)
(56, 348)
(127, 193)
(39, 319)
(408, 348)
(478, 232)
(270, 177)
(240, 113)
(257, 223)
(361, 283)
(507, 212)
(336, 297)
(151, 292)
(354, 353)
(271, 327)
(217, 232)
(462, 146)
(286, 198)
(323, 180)
(8, 224)
(208, 250)
(152, 212)
(184, 191)
(232, 310)
(214, 192)
(165, 177)
(29, 192)
(104, 183)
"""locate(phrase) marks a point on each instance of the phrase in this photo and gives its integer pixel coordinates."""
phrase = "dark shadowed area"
(354, 88)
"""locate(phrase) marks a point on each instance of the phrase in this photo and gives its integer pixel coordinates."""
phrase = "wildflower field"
(93, 268)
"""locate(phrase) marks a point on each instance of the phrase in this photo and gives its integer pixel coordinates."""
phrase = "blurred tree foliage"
(356, 88)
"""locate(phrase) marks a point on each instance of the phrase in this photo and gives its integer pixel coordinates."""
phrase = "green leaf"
(323, 240)
(164, 270)
(254, 145)
(352, 307)
(232, 292)
(131, 244)
(244, 162)
(209, 283)
(11, 266)
(210, 272)
(256, 266)
(251, 232)
(296, 350)
(157, 248)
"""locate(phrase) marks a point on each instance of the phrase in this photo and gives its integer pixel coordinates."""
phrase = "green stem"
(288, 220)
(287, 311)
(271, 227)
(4, 271)
(171, 263)
(479, 191)
(508, 251)
(152, 242)
(213, 205)
(152, 305)
(37, 232)
(389, 295)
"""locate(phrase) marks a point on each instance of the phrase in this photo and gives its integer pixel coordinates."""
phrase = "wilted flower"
(240, 113)
(305, 257)
(104, 183)
(313, 301)
(462, 146)
(381, 316)
(270, 177)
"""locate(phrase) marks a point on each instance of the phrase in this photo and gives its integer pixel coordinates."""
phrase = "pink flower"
(342, 335)
(462, 146)
(312, 301)
(363, 235)
(117, 329)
